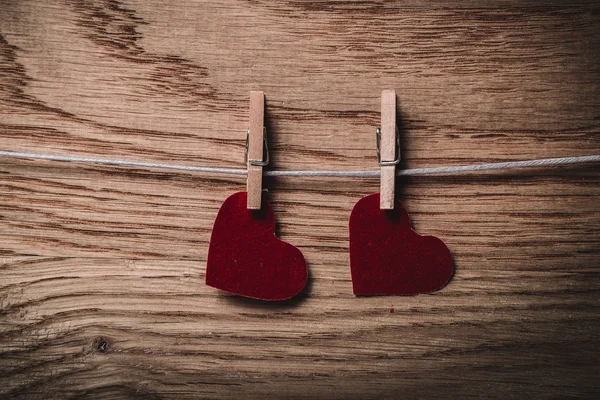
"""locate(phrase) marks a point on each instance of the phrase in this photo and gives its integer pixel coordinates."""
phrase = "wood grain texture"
(102, 268)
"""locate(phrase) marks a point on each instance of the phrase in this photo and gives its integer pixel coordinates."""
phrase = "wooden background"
(102, 268)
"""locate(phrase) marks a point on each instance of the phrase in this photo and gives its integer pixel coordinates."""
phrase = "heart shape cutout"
(246, 258)
(387, 257)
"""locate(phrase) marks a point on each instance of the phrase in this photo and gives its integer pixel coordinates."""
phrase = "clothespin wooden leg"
(256, 139)
(389, 151)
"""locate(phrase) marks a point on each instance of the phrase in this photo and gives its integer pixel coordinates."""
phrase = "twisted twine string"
(543, 162)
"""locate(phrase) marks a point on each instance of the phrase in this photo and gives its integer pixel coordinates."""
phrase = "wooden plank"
(102, 268)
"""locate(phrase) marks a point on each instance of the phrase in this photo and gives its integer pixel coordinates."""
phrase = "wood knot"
(101, 344)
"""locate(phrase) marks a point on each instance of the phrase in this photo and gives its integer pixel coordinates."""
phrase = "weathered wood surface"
(101, 269)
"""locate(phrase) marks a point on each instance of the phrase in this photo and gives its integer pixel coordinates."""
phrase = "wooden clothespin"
(257, 153)
(388, 149)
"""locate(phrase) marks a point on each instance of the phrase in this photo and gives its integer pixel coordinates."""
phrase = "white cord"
(544, 162)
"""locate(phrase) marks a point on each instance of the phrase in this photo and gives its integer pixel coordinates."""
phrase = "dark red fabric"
(246, 258)
(388, 258)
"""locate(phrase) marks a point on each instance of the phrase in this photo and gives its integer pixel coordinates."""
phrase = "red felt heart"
(246, 258)
(388, 258)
